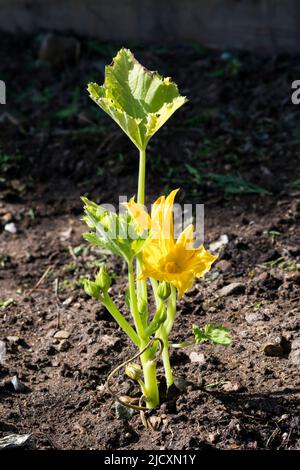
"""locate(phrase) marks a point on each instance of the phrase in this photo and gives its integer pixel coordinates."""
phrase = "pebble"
(108, 341)
(253, 317)
(295, 357)
(18, 386)
(13, 339)
(13, 441)
(232, 387)
(11, 228)
(196, 357)
(2, 352)
(295, 344)
(61, 334)
(222, 241)
(235, 288)
(295, 352)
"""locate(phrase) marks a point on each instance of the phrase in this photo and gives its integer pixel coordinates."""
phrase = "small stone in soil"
(253, 317)
(61, 334)
(13, 339)
(295, 352)
(235, 288)
(18, 386)
(13, 441)
(196, 357)
(11, 228)
(295, 357)
(108, 342)
(232, 387)
(2, 352)
(220, 243)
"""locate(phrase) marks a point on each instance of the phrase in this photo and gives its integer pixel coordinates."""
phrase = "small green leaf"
(138, 100)
(213, 333)
(5, 303)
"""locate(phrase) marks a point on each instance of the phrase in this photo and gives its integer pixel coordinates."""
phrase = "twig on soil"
(39, 282)
(171, 440)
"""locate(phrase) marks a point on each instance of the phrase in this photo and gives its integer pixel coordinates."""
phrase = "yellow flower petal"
(139, 214)
(186, 238)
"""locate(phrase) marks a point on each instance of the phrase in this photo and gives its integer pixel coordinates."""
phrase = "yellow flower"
(167, 259)
(138, 213)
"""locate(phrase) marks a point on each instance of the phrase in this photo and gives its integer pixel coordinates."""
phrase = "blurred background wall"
(270, 26)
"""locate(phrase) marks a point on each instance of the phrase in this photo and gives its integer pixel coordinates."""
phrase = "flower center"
(171, 267)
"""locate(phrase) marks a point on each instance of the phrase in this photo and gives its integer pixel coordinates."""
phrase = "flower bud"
(134, 371)
(103, 279)
(91, 288)
(164, 290)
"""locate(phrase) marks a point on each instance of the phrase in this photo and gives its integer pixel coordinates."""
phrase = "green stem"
(171, 310)
(164, 332)
(141, 284)
(166, 360)
(184, 344)
(154, 285)
(151, 388)
(133, 304)
(122, 322)
(142, 173)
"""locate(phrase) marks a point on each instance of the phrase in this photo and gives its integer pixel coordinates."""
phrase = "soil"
(239, 121)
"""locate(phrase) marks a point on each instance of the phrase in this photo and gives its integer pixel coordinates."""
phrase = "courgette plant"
(140, 102)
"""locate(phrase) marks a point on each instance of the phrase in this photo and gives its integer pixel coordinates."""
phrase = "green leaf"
(138, 100)
(112, 231)
(213, 333)
(5, 303)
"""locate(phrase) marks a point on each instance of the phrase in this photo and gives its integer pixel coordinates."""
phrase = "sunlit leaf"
(139, 100)
(213, 333)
